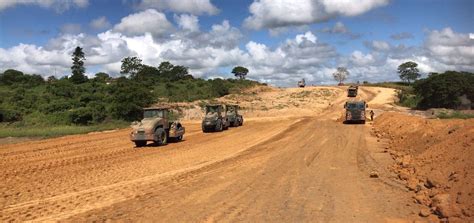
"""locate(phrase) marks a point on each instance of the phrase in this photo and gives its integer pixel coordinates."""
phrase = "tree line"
(28, 99)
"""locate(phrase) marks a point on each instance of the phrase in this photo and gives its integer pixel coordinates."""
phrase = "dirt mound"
(264, 101)
(434, 157)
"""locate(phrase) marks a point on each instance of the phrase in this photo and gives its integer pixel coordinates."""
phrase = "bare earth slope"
(297, 163)
(435, 160)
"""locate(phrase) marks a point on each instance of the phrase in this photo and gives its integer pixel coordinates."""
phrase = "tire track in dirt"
(60, 203)
(272, 169)
(270, 182)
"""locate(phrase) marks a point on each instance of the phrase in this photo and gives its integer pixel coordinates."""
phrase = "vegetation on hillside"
(29, 100)
(443, 90)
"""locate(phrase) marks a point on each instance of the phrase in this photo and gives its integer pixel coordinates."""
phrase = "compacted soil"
(294, 165)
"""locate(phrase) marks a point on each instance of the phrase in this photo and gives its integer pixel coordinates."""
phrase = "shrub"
(443, 90)
(9, 115)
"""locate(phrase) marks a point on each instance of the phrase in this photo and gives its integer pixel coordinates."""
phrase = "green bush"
(9, 115)
(443, 90)
(27, 100)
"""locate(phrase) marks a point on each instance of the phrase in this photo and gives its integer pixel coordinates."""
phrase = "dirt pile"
(264, 101)
(434, 158)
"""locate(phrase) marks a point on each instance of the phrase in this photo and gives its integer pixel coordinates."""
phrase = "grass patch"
(55, 131)
(454, 115)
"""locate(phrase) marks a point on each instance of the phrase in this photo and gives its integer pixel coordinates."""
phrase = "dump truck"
(233, 115)
(156, 126)
(215, 118)
(301, 83)
(355, 111)
(352, 91)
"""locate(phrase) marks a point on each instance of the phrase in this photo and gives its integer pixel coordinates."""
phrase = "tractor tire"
(162, 137)
(219, 127)
(236, 123)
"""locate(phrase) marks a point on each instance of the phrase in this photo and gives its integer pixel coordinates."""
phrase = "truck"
(215, 118)
(301, 83)
(352, 91)
(156, 126)
(233, 115)
(355, 111)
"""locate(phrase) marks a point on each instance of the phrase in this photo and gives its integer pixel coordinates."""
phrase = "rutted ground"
(296, 164)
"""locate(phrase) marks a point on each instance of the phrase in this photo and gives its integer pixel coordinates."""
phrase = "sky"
(279, 41)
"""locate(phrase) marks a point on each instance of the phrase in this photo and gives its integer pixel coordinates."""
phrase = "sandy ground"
(292, 161)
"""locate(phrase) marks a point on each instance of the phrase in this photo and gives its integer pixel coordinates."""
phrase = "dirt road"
(299, 168)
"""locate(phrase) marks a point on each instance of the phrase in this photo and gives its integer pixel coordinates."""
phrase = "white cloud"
(442, 50)
(100, 23)
(359, 59)
(378, 45)
(301, 57)
(148, 21)
(187, 22)
(71, 28)
(451, 48)
(195, 7)
(350, 7)
(402, 35)
(340, 28)
(57, 5)
(282, 13)
(307, 36)
(214, 52)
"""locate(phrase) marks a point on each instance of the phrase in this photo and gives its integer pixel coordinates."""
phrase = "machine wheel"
(179, 138)
(235, 123)
(219, 127)
(162, 136)
(140, 143)
(225, 127)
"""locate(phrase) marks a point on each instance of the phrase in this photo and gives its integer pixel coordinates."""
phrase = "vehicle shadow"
(353, 122)
(153, 144)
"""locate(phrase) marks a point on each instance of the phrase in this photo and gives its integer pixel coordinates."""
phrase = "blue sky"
(433, 33)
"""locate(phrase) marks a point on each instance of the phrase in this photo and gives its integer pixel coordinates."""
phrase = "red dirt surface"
(435, 159)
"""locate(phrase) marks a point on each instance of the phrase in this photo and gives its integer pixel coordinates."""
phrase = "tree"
(102, 77)
(11, 76)
(408, 71)
(219, 87)
(131, 65)
(128, 97)
(341, 74)
(240, 72)
(444, 90)
(77, 68)
(51, 79)
(172, 72)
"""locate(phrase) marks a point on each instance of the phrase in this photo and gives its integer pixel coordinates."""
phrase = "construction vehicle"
(355, 111)
(233, 115)
(157, 127)
(352, 91)
(301, 83)
(215, 118)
